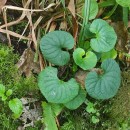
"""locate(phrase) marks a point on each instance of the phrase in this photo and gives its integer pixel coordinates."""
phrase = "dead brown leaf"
(63, 25)
(26, 63)
(2, 3)
(122, 36)
(80, 77)
(71, 8)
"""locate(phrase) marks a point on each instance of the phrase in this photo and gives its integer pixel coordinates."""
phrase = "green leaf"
(55, 90)
(95, 119)
(4, 97)
(77, 101)
(2, 90)
(57, 108)
(63, 3)
(49, 117)
(105, 36)
(104, 86)
(93, 9)
(16, 106)
(9, 92)
(52, 45)
(107, 3)
(110, 54)
(87, 62)
(90, 108)
(124, 3)
(87, 33)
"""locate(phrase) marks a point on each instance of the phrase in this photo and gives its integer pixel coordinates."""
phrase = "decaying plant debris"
(64, 64)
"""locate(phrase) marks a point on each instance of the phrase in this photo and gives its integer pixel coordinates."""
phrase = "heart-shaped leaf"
(105, 36)
(87, 62)
(104, 86)
(16, 106)
(55, 90)
(52, 44)
(124, 3)
(77, 101)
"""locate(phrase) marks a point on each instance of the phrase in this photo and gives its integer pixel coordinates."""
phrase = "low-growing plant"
(92, 110)
(13, 86)
(101, 83)
(15, 104)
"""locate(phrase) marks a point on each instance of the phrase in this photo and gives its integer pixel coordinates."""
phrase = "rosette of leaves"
(105, 84)
(53, 46)
(55, 90)
(105, 36)
(86, 60)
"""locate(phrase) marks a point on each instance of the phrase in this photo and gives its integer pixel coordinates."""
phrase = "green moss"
(8, 69)
(21, 86)
(10, 77)
(6, 122)
(120, 107)
(26, 87)
(120, 110)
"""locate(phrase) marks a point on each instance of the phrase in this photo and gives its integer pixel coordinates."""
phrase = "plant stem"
(85, 19)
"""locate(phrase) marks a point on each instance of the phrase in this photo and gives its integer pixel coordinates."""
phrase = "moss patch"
(120, 109)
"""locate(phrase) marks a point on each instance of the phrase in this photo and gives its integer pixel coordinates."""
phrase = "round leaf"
(4, 97)
(104, 86)
(55, 90)
(124, 3)
(16, 106)
(52, 44)
(77, 101)
(9, 92)
(88, 62)
(105, 36)
(95, 119)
